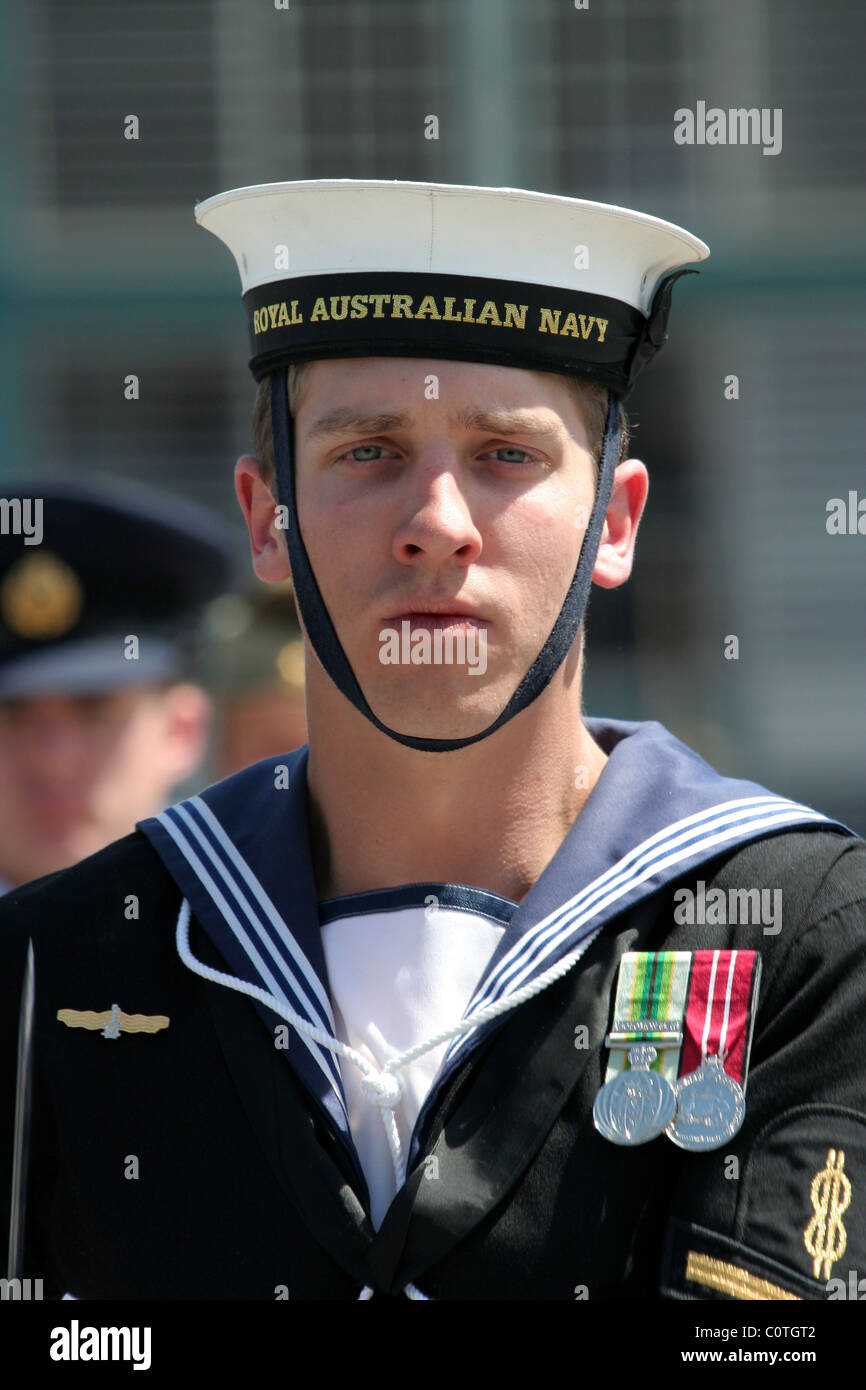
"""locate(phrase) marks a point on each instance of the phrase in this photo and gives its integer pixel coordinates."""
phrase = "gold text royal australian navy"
(441, 309)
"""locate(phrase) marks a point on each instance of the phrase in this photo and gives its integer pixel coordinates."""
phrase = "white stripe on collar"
(294, 984)
(672, 847)
(257, 895)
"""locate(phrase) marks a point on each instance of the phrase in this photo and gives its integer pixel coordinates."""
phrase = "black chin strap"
(317, 620)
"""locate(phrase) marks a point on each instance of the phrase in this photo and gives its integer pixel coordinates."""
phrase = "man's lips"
(438, 613)
(437, 622)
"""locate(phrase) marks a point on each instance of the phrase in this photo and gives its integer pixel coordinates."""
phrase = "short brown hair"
(589, 396)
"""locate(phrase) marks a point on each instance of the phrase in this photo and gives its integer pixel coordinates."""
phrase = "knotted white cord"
(382, 1088)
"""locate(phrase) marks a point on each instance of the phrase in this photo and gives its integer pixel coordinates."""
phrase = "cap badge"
(41, 597)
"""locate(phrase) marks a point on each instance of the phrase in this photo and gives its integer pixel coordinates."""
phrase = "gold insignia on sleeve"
(734, 1281)
(41, 597)
(825, 1237)
(112, 1022)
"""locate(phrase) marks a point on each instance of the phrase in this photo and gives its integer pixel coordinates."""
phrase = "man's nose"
(438, 524)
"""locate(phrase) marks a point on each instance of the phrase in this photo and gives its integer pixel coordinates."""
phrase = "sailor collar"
(240, 854)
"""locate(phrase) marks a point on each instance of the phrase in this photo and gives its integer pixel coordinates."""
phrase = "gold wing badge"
(112, 1022)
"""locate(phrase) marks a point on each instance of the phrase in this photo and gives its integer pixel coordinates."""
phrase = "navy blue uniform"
(247, 1180)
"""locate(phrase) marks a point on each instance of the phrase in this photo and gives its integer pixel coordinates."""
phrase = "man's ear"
(625, 509)
(261, 514)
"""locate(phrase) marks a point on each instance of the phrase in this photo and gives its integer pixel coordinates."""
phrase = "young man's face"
(79, 771)
(473, 503)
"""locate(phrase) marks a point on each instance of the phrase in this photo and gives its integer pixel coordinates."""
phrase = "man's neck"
(489, 816)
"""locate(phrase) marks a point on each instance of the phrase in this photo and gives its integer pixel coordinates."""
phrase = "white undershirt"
(396, 978)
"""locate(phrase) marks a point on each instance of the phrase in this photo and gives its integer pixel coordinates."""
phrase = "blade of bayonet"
(21, 1140)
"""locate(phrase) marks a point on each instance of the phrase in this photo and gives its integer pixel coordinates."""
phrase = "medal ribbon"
(720, 1012)
(651, 988)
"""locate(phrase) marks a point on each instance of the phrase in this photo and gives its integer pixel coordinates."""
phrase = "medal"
(638, 1101)
(637, 1105)
(698, 1008)
(711, 1107)
(720, 1016)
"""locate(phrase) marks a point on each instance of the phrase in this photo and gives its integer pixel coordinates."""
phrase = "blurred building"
(104, 275)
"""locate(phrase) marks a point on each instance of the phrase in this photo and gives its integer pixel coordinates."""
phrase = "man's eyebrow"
(351, 420)
(505, 421)
(348, 419)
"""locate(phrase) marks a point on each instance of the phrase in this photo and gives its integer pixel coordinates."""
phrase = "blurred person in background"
(254, 666)
(100, 587)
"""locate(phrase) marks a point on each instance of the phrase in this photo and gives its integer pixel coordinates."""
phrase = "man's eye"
(524, 456)
(371, 452)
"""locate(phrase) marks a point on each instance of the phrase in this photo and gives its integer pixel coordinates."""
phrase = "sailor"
(472, 996)
(101, 584)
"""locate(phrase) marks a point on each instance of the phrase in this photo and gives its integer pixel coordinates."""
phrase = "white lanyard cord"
(382, 1088)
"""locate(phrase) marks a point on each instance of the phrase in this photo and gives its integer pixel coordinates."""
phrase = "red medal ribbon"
(720, 1009)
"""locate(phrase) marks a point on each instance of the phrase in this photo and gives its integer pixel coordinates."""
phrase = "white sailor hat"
(351, 268)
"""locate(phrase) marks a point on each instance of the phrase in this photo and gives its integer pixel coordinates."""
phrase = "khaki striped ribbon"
(651, 987)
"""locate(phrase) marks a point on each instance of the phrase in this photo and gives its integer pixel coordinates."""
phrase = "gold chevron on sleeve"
(733, 1281)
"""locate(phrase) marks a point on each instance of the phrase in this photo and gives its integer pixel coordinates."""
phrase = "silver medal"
(711, 1107)
(636, 1106)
